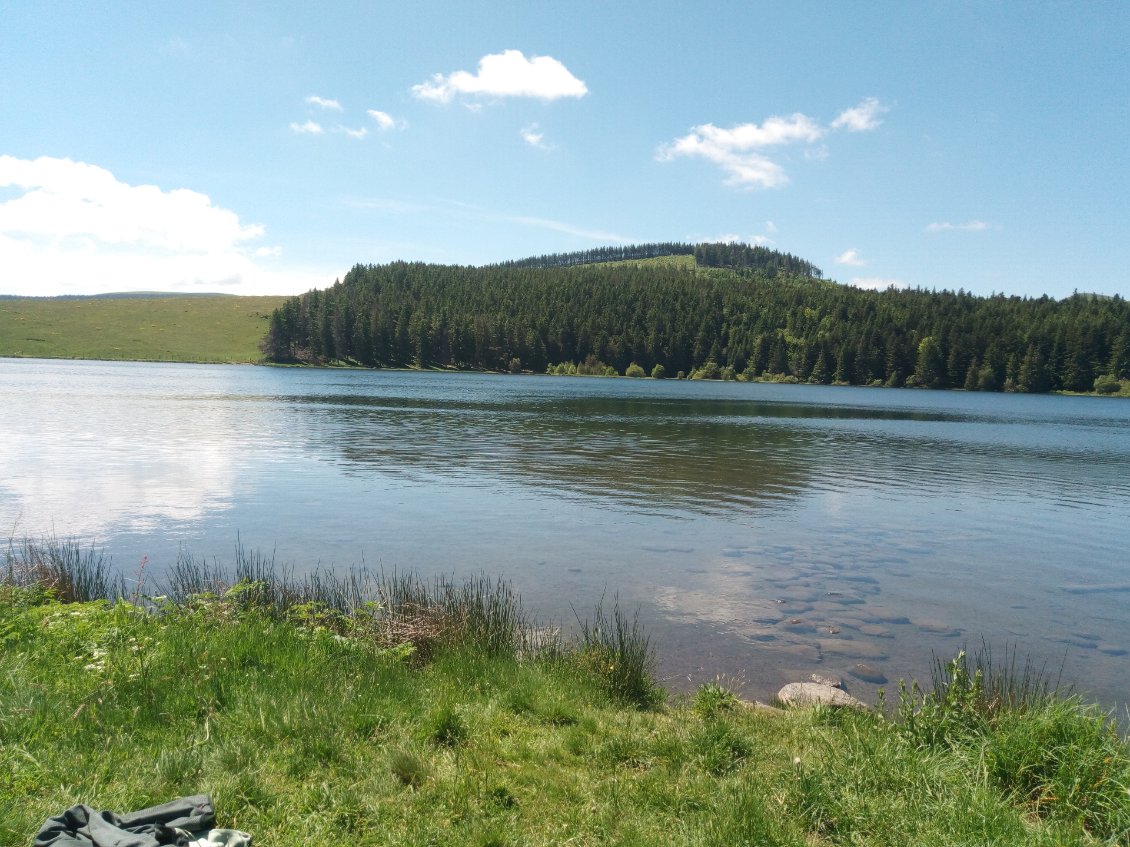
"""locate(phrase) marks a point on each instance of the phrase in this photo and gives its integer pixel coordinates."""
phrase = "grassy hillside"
(681, 262)
(164, 329)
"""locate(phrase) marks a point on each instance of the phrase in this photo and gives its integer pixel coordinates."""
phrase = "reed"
(73, 573)
(618, 648)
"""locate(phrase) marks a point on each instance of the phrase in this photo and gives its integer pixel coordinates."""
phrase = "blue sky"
(266, 147)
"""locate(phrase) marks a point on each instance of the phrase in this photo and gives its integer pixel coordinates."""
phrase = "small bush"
(635, 371)
(1107, 384)
(712, 700)
(658, 372)
(708, 371)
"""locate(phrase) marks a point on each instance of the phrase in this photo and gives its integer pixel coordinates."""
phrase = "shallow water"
(766, 531)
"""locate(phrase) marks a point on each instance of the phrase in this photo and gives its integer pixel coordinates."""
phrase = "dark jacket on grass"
(177, 822)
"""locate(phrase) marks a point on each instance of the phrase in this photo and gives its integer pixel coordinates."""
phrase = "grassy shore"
(158, 329)
(390, 711)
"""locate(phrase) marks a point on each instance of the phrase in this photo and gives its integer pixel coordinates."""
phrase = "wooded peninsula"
(706, 311)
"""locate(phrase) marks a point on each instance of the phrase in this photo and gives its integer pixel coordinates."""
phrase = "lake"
(765, 531)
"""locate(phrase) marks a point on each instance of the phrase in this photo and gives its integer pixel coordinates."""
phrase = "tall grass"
(1031, 738)
(619, 650)
(264, 584)
(73, 573)
(394, 608)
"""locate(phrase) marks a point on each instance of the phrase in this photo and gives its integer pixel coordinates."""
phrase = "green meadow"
(160, 329)
(434, 713)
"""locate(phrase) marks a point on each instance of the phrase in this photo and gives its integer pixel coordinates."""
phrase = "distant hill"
(117, 295)
(707, 310)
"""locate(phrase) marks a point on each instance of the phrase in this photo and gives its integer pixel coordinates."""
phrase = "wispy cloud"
(308, 128)
(385, 121)
(533, 136)
(358, 133)
(461, 210)
(570, 229)
(874, 283)
(506, 74)
(968, 226)
(742, 151)
(75, 228)
(323, 103)
(861, 118)
(850, 257)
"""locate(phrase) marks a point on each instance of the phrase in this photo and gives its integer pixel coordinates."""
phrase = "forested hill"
(737, 312)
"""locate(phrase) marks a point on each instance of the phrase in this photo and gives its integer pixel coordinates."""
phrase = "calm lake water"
(766, 532)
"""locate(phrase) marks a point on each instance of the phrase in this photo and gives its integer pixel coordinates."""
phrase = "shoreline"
(1124, 393)
(416, 727)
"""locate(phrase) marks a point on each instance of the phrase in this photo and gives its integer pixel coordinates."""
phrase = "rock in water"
(817, 694)
(867, 673)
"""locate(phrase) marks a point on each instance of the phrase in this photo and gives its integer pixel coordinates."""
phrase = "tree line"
(733, 255)
(740, 311)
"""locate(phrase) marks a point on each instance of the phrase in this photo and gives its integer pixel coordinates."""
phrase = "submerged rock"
(867, 673)
(817, 694)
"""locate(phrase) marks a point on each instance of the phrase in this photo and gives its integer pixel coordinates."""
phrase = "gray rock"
(816, 694)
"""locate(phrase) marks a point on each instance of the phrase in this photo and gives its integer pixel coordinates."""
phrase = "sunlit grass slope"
(163, 329)
(686, 262)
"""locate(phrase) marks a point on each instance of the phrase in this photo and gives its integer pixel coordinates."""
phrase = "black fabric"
(82, 826)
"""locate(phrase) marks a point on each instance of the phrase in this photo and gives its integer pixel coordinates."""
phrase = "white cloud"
(739, 150)
(322, 102)
(308, 128)
(770, 227)
(850, 257)
(968, 226)
(861, 118)
(506, 74)
(534, 137)
(736, 150)
(358, 133)
(385, 121)
(874, 283)
(74, 228)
